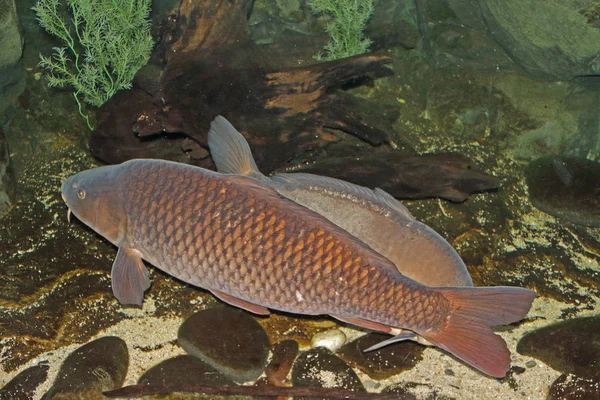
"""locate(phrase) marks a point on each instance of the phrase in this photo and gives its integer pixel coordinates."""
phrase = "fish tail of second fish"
(467, 332)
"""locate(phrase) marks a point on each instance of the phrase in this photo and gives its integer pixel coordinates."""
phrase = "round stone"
(566, 187)
(283, 355)
(98, 366)
(568, 387)
(572, 347)
(382, 363)
(230, 340)
(319, 367)
(333, 340)
(24, 385)
(182, 371)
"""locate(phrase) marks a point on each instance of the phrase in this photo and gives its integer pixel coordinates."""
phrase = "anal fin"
(365, 323)
(246, 305)
(129, 277)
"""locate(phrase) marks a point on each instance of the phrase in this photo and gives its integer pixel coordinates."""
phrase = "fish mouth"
(68, 209)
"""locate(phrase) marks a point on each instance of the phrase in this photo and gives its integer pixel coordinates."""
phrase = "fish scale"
(213, 235)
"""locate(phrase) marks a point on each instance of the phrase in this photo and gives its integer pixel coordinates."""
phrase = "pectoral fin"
(234, 301)
(129, 277)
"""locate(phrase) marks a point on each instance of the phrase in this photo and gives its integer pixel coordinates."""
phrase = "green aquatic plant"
(346, 30)
(105, 42)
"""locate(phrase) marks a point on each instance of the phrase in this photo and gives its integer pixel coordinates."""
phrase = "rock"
(566, 187)
(567, 387)
(426, 392)
(7, 177)
(11, 44)
(382, 363)
(272, 21)
(229, 340)
(93, 368)
(572, 347)
(23, 386)
(585, 104)
(332, 339)
(400, 390)
(452, 12)
(284, 354)
(183, 371)
(455, 34)
(556, 39)
(393, 23)
(552, 39)
(321, 368)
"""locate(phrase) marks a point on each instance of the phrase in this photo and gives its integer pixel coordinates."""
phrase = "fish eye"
(81, 194)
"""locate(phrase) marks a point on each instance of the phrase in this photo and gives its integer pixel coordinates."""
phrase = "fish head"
(94, 196)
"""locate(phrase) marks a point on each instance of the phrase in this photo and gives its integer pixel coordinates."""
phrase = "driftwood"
(206, 66)
(137, 391)
(407, 175)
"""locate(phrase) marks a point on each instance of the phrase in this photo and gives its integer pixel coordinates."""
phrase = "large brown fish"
(256, 249)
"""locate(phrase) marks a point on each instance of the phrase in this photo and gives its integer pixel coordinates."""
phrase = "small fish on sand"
(253, 248)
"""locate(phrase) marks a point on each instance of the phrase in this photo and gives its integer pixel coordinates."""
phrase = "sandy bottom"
(151, 340)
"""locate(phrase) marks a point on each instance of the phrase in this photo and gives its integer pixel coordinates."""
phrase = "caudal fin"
(467, 333)
(230, 150)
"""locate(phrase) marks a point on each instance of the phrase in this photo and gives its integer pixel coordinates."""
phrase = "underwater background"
(481, 116)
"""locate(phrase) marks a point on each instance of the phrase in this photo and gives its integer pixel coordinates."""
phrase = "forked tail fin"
(467, 333)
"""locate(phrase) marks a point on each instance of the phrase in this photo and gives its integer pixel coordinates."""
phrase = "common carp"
(253, 248)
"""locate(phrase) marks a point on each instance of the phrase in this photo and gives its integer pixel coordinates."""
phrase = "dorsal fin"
(230, 150)
(377, 197)
(232, 155)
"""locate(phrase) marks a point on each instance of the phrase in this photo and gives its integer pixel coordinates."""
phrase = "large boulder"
(455, 35)
(551, 39)
(7, 178)
(451, 12)
(11, 44)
